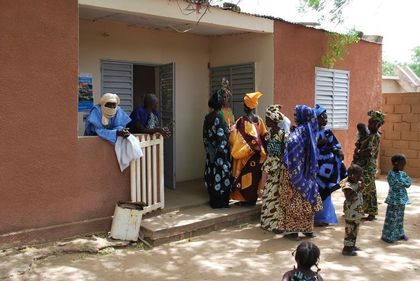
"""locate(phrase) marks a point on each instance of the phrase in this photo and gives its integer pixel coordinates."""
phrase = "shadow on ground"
(248, 253)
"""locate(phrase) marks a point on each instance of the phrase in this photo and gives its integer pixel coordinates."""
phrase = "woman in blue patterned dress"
(217, 174)
(397, 198)
(301, 161)
(331, 168)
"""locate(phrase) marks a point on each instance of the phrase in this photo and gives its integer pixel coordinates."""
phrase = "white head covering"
(108, 113)
(285, 124)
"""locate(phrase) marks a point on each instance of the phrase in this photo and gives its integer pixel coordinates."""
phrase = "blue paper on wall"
(85, 92)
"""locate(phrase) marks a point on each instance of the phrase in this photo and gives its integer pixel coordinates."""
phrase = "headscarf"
(216, 100)
(319, 109)
(226, 87)
(301, 154)
(251, 99)
(108, 113)
(377, 116)
(273, 112)
(285, 124)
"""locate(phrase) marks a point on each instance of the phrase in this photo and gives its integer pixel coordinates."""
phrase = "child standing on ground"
(397, 198)
(306, 256)
(353, 208)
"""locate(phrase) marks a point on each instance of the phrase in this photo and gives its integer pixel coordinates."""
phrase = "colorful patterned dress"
(301, 196)
(397, 199)
(297, 275)
(331, 172)
(217, 173)
(366, 157)
(248, 153)
(228, 116)
(271, 211)
(353, 212)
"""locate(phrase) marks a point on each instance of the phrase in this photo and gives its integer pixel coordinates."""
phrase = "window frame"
(331, 116)
(236, 99)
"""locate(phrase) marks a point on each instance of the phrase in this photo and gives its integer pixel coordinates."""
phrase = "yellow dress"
(248, 153)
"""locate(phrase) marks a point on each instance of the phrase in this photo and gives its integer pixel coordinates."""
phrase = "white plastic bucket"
(126, 221)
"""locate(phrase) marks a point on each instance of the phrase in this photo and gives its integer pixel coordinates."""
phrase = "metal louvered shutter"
(332, 92)
(242, 80)
(117, 78)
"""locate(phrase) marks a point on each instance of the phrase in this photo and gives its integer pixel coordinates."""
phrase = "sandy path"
(248, 253)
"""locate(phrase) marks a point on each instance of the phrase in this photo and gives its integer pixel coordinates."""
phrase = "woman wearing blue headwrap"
(331, 168)
(301, 161)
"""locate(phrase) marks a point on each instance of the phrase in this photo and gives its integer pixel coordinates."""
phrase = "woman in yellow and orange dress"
(248, 151)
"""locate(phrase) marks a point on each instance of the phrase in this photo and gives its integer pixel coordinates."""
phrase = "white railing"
(146, 174)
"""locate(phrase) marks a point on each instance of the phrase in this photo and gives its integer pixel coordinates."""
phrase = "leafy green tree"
(415, 64)
(337, 44)
(388, 68)
(334, 8)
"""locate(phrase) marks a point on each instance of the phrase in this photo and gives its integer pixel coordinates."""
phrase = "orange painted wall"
(53, 184)
(298, 50)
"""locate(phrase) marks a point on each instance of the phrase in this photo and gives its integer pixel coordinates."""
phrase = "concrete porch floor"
(186, 194)
(187, 214)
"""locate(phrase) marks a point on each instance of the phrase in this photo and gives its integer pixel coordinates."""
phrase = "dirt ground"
(248, 253)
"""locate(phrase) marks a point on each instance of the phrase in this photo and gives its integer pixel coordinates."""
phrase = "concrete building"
(57, 183)
(404, 81)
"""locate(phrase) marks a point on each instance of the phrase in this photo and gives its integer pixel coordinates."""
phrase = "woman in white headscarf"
(107, 120)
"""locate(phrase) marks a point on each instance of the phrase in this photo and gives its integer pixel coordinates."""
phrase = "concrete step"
(193, 221)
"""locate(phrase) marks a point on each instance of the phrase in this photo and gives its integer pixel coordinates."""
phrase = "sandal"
(370, 218)
(404, 237)
(387, 241)
(348, 251)
(292, 236)
(278, 231)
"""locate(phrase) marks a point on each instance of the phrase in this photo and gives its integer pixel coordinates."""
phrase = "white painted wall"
(251, 47)
(170, 12)
(190, 54)
(391, 86)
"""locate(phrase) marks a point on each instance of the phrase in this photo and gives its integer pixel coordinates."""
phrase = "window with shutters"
(242, 80)
(117, 78)
(332, 88)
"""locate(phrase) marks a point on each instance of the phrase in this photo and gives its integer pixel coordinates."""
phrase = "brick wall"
(401, 131)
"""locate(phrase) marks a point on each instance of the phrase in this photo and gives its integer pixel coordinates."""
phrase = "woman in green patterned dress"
(366, 157)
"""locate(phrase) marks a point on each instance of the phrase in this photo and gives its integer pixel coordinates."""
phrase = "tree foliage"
(415, 64)
(331, 10)
(388, 68)
(338, 46)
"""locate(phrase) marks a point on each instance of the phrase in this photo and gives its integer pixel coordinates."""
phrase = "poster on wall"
(85, 92)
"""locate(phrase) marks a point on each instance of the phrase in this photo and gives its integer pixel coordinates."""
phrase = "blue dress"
(218, 169)
(397, 199)
(148, 120)
(331, 172)
(94, 126)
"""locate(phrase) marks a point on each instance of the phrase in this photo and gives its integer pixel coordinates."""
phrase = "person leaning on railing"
(146, 118)
(107, 120)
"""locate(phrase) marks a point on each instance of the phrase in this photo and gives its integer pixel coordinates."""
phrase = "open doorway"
(144, 82)
(131, 82)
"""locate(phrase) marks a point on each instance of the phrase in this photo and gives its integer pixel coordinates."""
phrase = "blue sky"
(396, 20)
